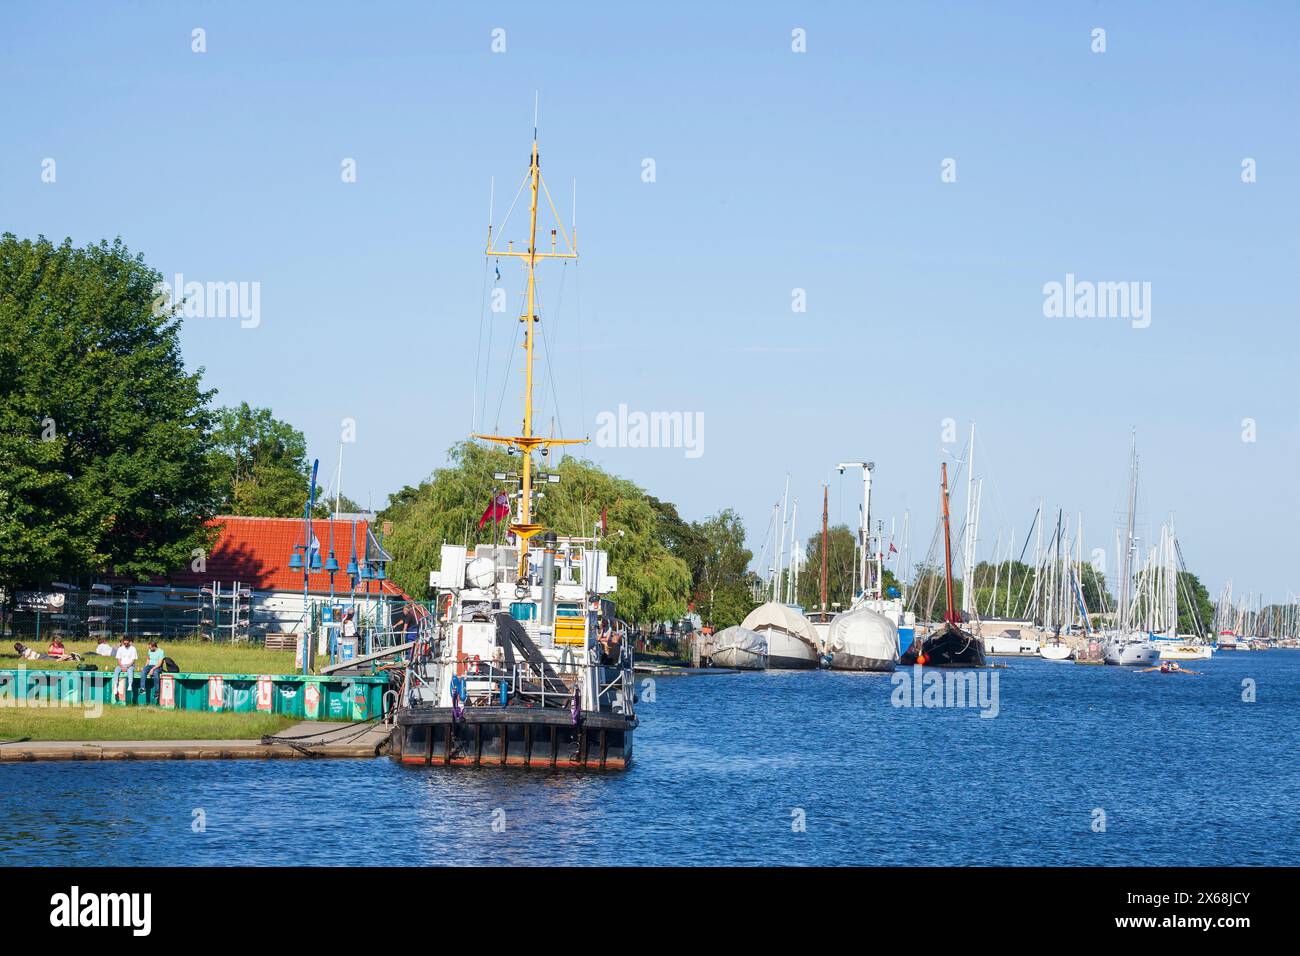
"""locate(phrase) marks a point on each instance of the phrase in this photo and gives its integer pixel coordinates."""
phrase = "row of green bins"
(310, 698)
(19, 688)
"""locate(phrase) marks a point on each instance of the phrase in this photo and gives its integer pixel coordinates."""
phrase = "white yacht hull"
(1055, 652)
(1000, 646)
(1186, 652)
(1131, 653)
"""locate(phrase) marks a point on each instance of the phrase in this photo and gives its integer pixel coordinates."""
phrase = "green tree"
(720, 576)
(929, 594)
(653, 583)
(839, 572)
(1195, 609)
(261, 464)
(104, 435)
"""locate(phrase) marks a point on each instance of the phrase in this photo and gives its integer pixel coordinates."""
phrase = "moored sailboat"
(948, 645)
(1127, 646)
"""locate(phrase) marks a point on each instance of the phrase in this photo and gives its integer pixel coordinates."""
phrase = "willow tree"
(653, 583)
(104, 435)
(719, 566)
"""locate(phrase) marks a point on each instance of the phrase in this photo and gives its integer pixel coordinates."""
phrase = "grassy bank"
(134, 723)
(193, 657)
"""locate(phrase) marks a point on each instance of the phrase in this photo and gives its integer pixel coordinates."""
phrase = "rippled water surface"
(1183, 769)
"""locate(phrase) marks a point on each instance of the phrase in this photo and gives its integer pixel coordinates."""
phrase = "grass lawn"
(135, 723)
(192, 656)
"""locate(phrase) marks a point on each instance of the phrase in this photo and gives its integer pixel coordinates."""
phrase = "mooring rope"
(296, 741)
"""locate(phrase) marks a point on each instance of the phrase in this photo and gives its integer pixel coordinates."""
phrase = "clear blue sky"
(775, 171)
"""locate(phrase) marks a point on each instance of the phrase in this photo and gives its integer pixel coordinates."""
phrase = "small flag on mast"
(497, 510)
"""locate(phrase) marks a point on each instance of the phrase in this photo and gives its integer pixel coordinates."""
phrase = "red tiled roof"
(256, 552)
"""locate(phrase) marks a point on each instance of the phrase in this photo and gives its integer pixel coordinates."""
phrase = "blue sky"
(774, 171)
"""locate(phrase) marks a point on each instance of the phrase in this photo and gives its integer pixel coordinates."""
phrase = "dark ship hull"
(949, 646)
(540, 738)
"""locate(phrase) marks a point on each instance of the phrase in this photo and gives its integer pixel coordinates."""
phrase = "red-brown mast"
(947, 547)
(826, 490)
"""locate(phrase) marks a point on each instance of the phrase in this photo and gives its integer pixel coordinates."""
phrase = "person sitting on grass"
(60, 653)
(126, 658)
(152, 668)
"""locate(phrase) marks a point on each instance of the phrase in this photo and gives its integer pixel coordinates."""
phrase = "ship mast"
(826, 490)
(524, 528)
(950, 615)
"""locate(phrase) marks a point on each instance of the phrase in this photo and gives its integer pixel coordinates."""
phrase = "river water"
(1080, 765)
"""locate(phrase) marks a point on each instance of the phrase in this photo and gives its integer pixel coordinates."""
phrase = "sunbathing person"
(60, 653)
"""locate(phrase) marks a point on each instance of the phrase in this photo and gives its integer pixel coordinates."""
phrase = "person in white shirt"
(126, 658)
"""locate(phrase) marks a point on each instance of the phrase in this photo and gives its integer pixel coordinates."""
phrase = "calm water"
(1186, 772)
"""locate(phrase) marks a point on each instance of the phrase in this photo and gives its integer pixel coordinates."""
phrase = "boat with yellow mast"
(525, 664)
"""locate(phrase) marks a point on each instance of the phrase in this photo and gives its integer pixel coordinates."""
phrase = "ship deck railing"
(527, 681)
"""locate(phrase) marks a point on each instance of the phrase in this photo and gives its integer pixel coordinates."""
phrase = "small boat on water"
(739, 648)
(1055, 650)
(1168, 667)
(947, 645)
(792, 644)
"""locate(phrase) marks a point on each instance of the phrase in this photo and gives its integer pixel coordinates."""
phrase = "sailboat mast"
(1058, 600)
(968, 559)
(792, 586)
(826, 491)
(1127, 568)
(947, 545)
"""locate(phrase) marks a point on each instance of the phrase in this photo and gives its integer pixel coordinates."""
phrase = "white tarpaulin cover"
(784, 618)
(741, 639)
(863, 633)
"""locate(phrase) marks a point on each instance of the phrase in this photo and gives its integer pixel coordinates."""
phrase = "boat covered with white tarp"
(862, 640)
(792, 643)
(741, 648)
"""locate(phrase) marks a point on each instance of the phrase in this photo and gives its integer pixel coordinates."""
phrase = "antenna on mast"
(537, 96)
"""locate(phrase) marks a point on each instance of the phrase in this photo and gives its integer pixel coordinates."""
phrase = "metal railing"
(484, 681)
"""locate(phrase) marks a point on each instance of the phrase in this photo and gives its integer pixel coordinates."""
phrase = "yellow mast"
(524, 528)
